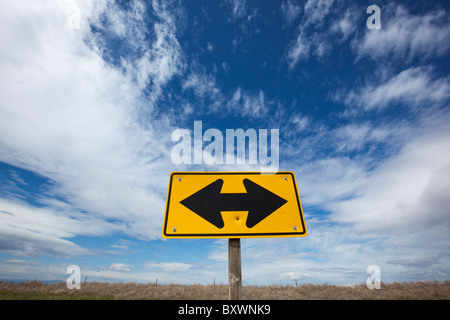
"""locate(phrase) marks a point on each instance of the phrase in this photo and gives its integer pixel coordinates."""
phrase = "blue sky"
(91, 92)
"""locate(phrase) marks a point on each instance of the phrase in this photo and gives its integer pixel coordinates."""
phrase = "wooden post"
(234, 269)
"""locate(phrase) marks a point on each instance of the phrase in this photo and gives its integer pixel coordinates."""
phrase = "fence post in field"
(234, 269)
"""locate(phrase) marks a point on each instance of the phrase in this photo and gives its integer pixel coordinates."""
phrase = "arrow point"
(204, 203)
(263, 203)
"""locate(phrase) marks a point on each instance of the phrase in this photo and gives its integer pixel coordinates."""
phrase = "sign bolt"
(174, 229)
(295, 228)
(179, 178)
(285, 178)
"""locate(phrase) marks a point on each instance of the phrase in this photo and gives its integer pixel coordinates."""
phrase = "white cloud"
(357, 136)
(152, 64)
(203, 85)
(311, 40)
(17, 268)
(226, 67)
(309, 143)
(404, 36)
(77, 122)
(413, 87)
(149, 54)
(30, 231)
(346, 25)
(51, 221)
(299, 49)
(301, 122)
(210, 46)
(386, 206)
(290, 11)
(238, 9)
(316, 10)
(122, 267)
(406, 193)
(325, 180)
(121, 244)
(22, 242)
(169, 266)
(248, 104)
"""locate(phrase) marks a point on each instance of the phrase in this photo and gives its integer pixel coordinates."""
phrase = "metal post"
(234, 269)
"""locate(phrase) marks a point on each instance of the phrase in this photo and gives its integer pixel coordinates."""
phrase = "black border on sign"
(231, 235)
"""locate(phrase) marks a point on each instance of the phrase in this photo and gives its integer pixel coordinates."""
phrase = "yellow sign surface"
(233, 205)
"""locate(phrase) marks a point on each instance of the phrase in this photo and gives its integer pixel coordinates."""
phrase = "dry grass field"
(35, 290)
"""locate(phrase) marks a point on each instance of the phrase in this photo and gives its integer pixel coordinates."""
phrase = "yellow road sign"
(233, 205)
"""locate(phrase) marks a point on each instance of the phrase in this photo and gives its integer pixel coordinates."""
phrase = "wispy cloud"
(150, 64)
(329, 179)
(318, 25)
(316, 10)
(204, 85)
(407, 191)
(47, 230)
(238, 8)
(210, 98)
(121, 267)
(299, 49)
(248, 104)
(169, 266)
(405, 36)
(290, 11)
(413, 87)
(346, 24)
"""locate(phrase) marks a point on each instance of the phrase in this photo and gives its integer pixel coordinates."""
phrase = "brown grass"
(36, 290)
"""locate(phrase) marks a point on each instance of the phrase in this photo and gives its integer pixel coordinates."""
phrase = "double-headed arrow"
(209, 202)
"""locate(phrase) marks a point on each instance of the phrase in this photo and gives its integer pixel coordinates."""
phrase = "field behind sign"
(35, 290)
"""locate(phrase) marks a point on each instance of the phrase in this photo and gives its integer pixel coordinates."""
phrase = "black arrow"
(208, 202)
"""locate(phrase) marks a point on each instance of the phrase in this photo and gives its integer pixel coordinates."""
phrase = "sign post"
(234, 269)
